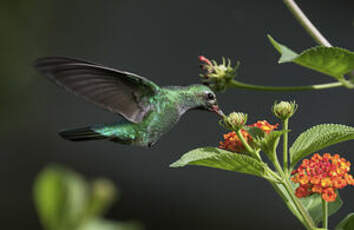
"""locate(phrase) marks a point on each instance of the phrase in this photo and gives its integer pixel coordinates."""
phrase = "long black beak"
(218, 111)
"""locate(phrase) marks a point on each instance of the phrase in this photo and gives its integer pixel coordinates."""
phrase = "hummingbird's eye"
(211, 96)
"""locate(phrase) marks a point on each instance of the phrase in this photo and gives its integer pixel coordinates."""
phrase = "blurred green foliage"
(66, 201)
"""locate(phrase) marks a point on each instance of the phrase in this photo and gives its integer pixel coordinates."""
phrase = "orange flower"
(302, 191)
(322, 175)
(302, 179)
(329, 195)
(326, 182)
(233, 143)
(265, 126)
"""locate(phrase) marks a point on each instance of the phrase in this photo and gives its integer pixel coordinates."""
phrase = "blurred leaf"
(49, 197)
(221, 159)
(61, 197)
(332, 61)
(313, 204)
(347, 223)
(77, 198)
(317, 138)
(103, 194)
(101, 224)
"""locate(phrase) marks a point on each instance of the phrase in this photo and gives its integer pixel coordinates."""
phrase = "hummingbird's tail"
(81, 134)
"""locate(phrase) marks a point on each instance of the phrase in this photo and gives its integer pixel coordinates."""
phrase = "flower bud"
(217, 76)
(284, 109)
(235, 120)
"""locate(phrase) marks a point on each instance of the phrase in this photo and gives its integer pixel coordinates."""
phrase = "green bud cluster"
(235, 121)
(218, 76)
(284, 109)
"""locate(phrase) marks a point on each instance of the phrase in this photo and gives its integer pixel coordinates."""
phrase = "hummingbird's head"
(205, 99)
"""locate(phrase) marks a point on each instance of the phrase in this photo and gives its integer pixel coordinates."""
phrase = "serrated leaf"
(317, 138)
(347, 223)
(221, 159)
(313, 204)
(332, 61)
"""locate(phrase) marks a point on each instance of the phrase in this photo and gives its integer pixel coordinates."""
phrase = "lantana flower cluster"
(233, 143)
(322, 175)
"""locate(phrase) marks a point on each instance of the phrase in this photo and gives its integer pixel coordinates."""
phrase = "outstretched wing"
(117, 91)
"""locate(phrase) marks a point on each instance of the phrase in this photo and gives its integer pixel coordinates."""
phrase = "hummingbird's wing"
(117, 91)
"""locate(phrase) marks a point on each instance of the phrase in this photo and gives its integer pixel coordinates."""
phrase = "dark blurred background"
(160, 40)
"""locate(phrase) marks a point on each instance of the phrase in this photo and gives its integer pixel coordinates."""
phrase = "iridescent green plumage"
(149, 111)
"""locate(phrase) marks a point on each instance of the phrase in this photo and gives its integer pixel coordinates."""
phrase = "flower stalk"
(242, 85)
(285, 124)
(307, 219)
(324, 214)
(248, 148)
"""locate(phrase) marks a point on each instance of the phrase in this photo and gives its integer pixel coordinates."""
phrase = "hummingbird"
(147, 111)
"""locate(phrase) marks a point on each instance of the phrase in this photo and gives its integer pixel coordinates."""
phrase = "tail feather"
(81, 134)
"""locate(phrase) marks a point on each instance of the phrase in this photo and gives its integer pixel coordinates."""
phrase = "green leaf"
(332, 61)
(101, 224)
(317, 138)
(221, 159)
(287, 55)
(60, 196)
(103, 194)
(269, 143)
(49, 198)
(313, 204)
(347, 223)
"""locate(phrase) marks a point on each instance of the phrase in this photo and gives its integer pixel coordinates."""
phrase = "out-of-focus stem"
(306, 23)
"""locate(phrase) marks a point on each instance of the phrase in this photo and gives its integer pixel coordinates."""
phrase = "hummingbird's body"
(149, 111)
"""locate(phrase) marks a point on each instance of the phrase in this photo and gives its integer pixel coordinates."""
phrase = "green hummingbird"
(148, 111)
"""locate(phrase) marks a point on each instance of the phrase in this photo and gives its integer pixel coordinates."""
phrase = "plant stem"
(313, 32)
(306, 218)
(308, 222)
(247, 146)
(274, 174)
(288, 202)
(324, 214)
(306, 23)
(238, 84)
(285, 146)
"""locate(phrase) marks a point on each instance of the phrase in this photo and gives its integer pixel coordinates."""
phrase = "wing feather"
(117, 91)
